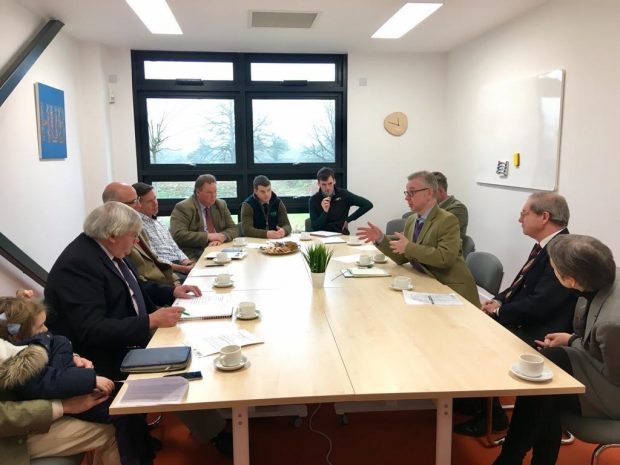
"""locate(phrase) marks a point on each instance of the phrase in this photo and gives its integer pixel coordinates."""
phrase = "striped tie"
(519, 279)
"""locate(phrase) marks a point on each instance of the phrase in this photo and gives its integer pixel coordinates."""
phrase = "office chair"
(68, 460)
(396, 225)
(406, 215)
(308, 225)
(486, 269)
(468, 246)
(601, 431)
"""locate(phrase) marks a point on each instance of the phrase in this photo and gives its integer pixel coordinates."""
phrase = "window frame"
(242, 90)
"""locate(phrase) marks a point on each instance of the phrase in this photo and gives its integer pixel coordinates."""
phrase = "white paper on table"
(154, 391)
(209, 344)
(484, 294)
(425, 298)
(206, 272)
(347, 258)
(254, 245)
(333, 240)
(208, 305)
(325, 233)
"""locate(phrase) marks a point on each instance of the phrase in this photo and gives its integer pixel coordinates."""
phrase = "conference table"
(355, 339)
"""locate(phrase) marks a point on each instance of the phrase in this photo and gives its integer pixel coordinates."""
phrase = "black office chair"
(468, 246)
(601, 431)
(396, 225)
(486, 269)
(308, 225)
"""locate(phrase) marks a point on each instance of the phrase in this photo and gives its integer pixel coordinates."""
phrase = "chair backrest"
(468, 246)
(393, 226)
(308, 225)
(602, 431)
(487, 270)
(406, 215)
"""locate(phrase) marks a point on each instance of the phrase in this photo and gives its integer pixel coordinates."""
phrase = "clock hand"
(397, 121)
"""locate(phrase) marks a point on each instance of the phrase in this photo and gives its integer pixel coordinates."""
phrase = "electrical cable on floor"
(321, 433)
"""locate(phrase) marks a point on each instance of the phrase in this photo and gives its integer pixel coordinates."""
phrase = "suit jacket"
(595, 356)
(188, 228)
(438, 250)
(458, 209)
(149, 267)
(540, 305)
(90, 303)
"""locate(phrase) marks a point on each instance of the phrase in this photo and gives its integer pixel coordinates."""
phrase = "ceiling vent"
(282, 20)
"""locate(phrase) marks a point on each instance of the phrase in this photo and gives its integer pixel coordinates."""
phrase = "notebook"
(364, 272)
(325, 233)
(206, 306)
(156, 359)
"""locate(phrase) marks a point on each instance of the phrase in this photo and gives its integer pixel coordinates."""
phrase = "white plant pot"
(318, 279)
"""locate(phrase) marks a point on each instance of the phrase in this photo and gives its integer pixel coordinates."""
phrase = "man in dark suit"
(535, 304)
(97, 301)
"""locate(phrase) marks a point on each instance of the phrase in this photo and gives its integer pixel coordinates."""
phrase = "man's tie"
(210, 227)
(519, 279)
(419, 223)
(132, 282)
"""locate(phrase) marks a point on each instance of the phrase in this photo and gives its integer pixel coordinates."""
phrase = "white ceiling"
(223, 25)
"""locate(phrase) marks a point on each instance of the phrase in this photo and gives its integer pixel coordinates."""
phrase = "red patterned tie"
(519, 279)
(210, 227)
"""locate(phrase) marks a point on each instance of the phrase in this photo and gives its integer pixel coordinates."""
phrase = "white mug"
(247, 309)
(223, 279)
(379, 257)
(222, 257)
(304, 236)
(531, 365)
(365, 260)
(239, 241)
(401, 282)
(230, 356)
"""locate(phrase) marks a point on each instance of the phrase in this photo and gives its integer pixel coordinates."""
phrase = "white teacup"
(230, 356)
(401, 282)
(223, 279)
(304, 236)
(222, 257)
(531, 365)
(354, 240)
(239, 241)
(247, 309)
(365, 260)
(379, 257)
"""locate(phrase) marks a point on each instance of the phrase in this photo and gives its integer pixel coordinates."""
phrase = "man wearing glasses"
(431, 241)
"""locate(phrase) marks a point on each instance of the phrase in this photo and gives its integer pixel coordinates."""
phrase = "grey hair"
(261, 180)
(552, 203)
(202, 180)
(112, 219)
(427, 178)
(583, 258)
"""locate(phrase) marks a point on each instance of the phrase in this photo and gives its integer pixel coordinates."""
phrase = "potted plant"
(317, 257)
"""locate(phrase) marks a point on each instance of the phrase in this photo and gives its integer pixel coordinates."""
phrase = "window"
(237, 116)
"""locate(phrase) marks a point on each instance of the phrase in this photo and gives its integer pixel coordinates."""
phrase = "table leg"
(443, 441)
(241, 437)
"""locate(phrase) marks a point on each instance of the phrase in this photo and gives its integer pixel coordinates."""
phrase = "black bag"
(156, 359)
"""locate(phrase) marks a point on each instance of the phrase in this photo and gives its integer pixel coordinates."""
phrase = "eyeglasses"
(410, 194)
(135, 201)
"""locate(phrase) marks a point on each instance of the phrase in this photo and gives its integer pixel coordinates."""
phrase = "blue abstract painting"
(51, 122)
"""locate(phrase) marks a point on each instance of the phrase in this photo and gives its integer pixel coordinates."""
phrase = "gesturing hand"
(399, 244)
(370, 233)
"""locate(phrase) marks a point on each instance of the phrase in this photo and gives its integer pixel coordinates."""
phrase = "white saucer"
(253, 317)
(302, 239)
(546, 375)
(354, 245)
(218, 364)
(230, 284)
(370, 265)
(398, 289)
(222, 262)
(381, 261)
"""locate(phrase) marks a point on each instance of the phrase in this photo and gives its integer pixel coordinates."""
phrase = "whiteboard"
(523, 117)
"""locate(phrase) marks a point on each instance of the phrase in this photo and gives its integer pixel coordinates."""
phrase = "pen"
(431, 299)
(185, 313)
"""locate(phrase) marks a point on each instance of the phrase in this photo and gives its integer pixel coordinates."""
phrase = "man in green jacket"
(430, 242)
(450, 204)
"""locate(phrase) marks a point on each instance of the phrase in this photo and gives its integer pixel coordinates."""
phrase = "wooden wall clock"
(396, 123)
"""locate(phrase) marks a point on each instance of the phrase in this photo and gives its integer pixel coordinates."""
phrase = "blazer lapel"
(199, 210)
(595, 309)
(428, 222)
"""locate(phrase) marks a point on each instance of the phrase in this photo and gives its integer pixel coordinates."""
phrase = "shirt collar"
(547, 239)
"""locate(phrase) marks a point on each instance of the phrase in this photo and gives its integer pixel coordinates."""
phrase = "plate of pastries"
(280, 248)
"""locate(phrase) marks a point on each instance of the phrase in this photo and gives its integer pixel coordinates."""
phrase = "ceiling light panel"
(405, 19)
(156, 16)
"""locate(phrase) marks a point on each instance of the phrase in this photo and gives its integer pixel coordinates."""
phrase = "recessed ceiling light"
(156, 16)
(405, 19)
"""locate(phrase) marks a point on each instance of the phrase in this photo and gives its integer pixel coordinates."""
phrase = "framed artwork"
(51, 122)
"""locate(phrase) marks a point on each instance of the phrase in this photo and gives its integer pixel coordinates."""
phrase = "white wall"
(584, 39)
(378, 163)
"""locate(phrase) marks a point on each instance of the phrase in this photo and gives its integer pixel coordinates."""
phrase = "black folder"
(156, 359)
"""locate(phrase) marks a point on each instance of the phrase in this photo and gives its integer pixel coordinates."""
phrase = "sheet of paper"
(325, 233)
(154, 391)
(234, 254)
(206, 272)
(333, 240)
(208, 305)
(367, 272)
(484, 294)
(424, 298)
(254, 245)
(347, 258)
(211, 343)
